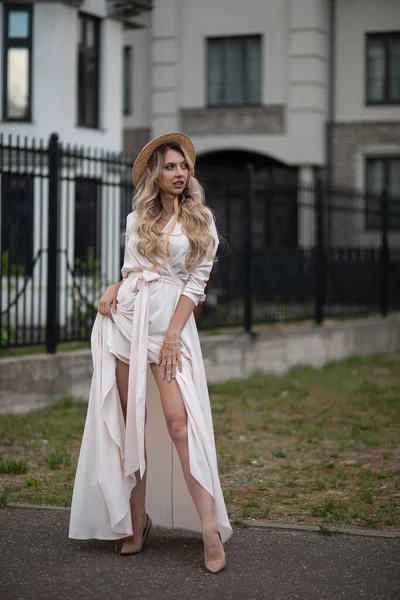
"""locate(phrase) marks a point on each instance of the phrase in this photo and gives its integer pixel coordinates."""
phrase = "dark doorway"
(274, 255)
(225, 181)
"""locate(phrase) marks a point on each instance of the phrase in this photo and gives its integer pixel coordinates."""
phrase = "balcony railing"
(125, 9)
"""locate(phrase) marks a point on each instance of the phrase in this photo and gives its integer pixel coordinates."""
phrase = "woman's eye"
(184, 166)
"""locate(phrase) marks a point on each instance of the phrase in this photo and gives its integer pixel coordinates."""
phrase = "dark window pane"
(394, 176)
(88, 71)
(90, 41)
(376, 69)
(375, 175)
(383, 173)
(394, 69)
(215, 72)
(87, 223)
(18, 24)
(234, 70)
(17, 223)
(383, 67)
(253, 71)
(376, 90)
(91, 90)
(127, 80)
(394, 192)
(17, 83)
(215, 94)
(81, 88)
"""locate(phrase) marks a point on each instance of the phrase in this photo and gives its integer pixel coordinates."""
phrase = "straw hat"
(144, 155)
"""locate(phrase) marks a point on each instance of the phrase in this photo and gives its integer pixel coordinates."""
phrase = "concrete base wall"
(32, 382)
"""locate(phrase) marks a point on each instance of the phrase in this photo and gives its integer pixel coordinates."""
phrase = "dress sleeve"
(196, 283)
(126, 267)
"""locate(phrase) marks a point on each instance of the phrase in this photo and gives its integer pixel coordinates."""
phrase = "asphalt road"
(39, 562)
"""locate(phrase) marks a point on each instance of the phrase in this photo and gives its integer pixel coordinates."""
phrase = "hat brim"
(144, 155)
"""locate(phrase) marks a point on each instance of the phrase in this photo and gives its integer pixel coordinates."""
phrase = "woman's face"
(174, 172)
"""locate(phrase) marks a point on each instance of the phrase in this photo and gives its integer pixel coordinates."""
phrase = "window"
(234, 71)
(383, 173)
(127, 81)
(383, 68)
(87, 225)
(88, 71)
(17, 63)
(16, 224)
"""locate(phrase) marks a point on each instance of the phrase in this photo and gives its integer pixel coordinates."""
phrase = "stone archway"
(225, 179)
(273, 190)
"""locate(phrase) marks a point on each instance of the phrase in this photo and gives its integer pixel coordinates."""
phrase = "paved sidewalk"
(39, 562)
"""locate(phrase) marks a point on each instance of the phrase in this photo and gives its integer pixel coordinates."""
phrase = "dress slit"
(112, 450)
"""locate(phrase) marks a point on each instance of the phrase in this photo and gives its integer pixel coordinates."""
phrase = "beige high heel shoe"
(136, 547)
(216, 565)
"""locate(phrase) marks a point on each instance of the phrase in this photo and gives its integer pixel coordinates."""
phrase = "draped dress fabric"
(112, 451)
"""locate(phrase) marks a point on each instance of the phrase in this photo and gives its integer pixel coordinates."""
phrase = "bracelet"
(175, 345)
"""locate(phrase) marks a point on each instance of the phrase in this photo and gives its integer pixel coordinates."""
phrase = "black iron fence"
(290, 252)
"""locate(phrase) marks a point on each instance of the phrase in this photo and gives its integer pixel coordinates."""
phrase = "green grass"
(316, 446)
(13, 466)
(59, 458)
(278, 453)
(49, 442)
(4, 498)
(339, 428)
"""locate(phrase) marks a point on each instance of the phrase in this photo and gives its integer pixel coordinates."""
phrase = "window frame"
(84, 120)
(8, 43)
(368, 197)
(385, 35)
(223, 39)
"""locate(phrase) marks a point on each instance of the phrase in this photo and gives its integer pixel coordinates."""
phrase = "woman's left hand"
(170, 357)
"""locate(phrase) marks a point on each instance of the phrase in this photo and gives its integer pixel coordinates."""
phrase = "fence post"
(52, 247)
(248, 250)
(384, 257)
(320, 276)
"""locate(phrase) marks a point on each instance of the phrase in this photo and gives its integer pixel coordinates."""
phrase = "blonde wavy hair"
(194, 217)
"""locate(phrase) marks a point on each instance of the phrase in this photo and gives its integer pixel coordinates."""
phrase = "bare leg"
(138, 495)
(176, 419)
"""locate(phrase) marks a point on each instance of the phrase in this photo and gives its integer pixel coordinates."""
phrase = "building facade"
(292, 86)
(62, 73)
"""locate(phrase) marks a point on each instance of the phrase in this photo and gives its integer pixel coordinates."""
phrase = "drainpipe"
(331, 105)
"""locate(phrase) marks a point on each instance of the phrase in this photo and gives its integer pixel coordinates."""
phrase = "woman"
(149, 373)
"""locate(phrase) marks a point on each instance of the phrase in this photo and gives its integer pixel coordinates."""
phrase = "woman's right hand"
(108, 301)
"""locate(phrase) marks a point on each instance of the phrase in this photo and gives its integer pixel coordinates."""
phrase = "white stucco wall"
(219, 18)
(353, 20)
(54, 70)
(140, 41)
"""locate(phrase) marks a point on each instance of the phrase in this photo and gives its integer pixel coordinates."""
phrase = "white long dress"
(111, 452)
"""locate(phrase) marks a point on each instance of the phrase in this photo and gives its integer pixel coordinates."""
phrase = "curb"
(257, 524)
(36, 506)
(378, 533)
